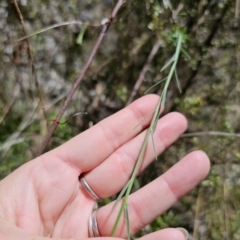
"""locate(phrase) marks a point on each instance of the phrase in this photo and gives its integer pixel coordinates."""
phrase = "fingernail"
(185, 232)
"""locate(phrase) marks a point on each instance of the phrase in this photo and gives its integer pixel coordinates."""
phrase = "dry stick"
(237, 10)
(55, 123)
(211, 133)
(32, 61)
(144, 71)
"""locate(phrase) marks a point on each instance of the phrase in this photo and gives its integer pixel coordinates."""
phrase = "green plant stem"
(136, 169)
(150, 131)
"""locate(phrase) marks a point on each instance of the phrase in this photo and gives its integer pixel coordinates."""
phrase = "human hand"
(43, 199)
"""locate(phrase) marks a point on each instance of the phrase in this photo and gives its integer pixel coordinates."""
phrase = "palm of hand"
(43, 197)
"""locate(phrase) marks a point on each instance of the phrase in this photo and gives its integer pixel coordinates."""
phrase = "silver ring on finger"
(89, 190)
(92, 224)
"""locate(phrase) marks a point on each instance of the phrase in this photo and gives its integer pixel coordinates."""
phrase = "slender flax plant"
(128, 187)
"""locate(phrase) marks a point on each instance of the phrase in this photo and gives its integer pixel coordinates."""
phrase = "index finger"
(88, 149)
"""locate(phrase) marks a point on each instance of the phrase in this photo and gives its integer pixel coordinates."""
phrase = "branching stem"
(80, 77)
(150, 131)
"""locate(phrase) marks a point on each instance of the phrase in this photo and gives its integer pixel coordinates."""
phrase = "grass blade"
(121, 193)
(168, 63)
(153, 143)
(177, 80)
(79, 39)
(155, 85)
(149, 115)
(49, 28)
(185, 53)
(127, 222)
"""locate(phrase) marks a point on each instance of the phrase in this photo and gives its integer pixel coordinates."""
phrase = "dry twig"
(32, 60)
(211, 133)
(76, 84)
(144, 71)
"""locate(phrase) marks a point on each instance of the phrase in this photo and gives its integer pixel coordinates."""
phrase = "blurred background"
(139, 40)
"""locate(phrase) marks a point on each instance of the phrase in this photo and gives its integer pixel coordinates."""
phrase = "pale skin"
(44, 200)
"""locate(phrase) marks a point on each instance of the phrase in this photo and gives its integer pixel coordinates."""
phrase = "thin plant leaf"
(168, 63)
(79, 39)
(118, 217)
(127, 222)
(49, 28)
(177, 80)
(155, 85)
(185, 53)
(74, 115)
(154, 148)
(149, 115)
(158, 112)
(121, 194)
